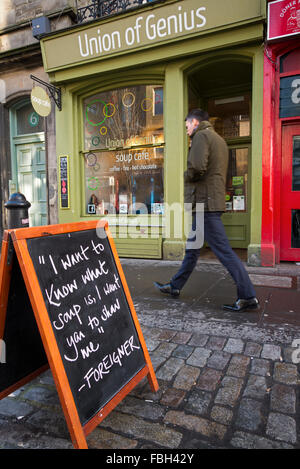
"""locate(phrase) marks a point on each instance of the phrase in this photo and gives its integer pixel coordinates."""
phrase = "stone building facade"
(28, 160)
(27, 141)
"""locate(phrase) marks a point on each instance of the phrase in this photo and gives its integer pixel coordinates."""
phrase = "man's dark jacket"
(205, 177)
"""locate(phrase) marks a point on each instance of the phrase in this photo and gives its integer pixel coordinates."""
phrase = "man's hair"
(198, 114)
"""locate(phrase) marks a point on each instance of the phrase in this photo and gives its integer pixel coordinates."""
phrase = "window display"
(231, 119)
(125, 181)
(237, 177)
(230, 116)
(124, 151)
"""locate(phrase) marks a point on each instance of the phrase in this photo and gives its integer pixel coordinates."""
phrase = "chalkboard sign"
(86, 319)
(89, 314)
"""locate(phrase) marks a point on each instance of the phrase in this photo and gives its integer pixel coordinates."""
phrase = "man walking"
(205, 182)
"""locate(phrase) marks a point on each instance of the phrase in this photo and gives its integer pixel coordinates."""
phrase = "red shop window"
(290, 62)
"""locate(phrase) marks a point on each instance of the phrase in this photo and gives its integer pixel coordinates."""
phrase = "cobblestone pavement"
(226, 380)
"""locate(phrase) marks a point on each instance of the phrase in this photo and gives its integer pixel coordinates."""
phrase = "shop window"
(28, 121)
(124, 151)
(158, 102)
(296, 164)
(290, 62)
(230, 116)
(237, 178)
(295, 229)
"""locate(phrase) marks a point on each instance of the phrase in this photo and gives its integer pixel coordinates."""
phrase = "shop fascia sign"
(283, 19)
(161, 24)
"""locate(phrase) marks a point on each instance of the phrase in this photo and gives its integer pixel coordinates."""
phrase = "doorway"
(223, 88)
(290, 194)
(29, 160)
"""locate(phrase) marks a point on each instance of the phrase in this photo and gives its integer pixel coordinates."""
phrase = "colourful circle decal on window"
(130, 103)
(93, 183)
(103, 130)
(95, 141)
(92, 108)
(91, 159)
(105, 109)
(147, 104)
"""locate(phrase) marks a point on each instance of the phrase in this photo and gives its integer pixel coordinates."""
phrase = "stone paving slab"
(226, 381)
(223, 406)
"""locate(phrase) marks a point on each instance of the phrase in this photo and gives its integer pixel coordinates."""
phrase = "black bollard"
(17, 207)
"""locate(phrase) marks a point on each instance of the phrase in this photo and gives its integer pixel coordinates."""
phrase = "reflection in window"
(124, 117)
(28, 121)
(290, 61)
(296, 164)
(124, 144)
(237, 177)
(230, 116)
(158, 101)
(295, 228)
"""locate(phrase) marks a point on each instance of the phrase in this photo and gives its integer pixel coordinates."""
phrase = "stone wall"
(20, 57)
(16, 16)
(15, 12)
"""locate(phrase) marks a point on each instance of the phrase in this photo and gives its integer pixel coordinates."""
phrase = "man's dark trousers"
(215, 236)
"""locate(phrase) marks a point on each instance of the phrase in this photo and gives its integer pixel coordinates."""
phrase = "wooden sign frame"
(78, 432)
(6, 266)
(5, 276)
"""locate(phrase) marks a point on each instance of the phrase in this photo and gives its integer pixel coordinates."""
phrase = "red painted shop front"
(281, 137)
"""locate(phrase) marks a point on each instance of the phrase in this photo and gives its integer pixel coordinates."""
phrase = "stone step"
(283, 275)
(276, 281)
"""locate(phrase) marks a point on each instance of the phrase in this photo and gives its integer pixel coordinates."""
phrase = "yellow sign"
(40, 101)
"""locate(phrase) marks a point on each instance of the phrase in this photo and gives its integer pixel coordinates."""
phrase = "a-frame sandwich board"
(86, 322)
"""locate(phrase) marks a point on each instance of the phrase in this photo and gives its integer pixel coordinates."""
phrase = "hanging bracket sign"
(40, 101)
(41, 95)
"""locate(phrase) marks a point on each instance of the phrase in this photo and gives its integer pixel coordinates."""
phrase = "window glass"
(296, 164)
(295, 229)
(290, 62)
(124, 117)
(237, 177)
(125, 181)
(28, 121)
(124, 144)
(289, 102)
(230, 116)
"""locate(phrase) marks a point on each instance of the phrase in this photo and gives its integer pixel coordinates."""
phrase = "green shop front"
(127, 82)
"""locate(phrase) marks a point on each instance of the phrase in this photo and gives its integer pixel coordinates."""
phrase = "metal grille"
(101, 8)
